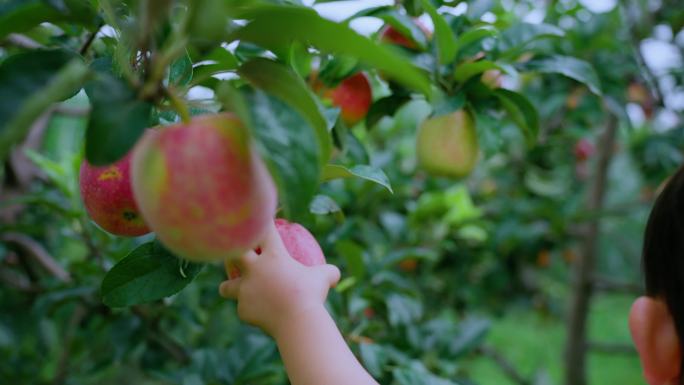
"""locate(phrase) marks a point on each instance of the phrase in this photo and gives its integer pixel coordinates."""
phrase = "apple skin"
(108, 198)
(447, 145)
(354, 97)
(202, 187)
(298, 241)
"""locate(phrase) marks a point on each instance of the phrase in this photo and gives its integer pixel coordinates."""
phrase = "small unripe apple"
(108, 198)
(354, 97)
(447, 145)
(298, 241)
(202, 187)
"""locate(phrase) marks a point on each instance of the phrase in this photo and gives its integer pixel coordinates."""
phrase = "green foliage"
(118, 118)
(435, 271)
(148, 273)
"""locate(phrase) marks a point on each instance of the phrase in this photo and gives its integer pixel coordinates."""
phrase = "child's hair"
(663, 253)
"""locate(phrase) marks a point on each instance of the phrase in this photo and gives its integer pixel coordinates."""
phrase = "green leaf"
(376, 175)
(475, 34)
(447, 104)
(29, 84)
(403, 310)
(323, 204)
(472, 332)
(386, 106)
(571, 67)
(180, 72)
(300, 59)
(56, 173)
(466, 71)
(289, 146)
(335, 69)
(277, 26)
(352, 253)
(446, 43)
(148, 273)
(478, 8)
(22, 15)
(117, 119)
(521, 111)
(417, 374)
(285, 84)
(221, 60)
(399, 255)
(514, 39)
(374, 358)
(24, 75)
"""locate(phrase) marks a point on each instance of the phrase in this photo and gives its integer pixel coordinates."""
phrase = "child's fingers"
(273, 242)
(330, 273)
(247, 259)
(230, 288)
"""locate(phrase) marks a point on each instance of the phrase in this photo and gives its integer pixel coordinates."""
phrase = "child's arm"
(286, 299)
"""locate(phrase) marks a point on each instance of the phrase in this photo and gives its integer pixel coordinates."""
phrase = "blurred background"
(479, 281)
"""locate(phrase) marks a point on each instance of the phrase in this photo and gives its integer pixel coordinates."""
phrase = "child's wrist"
(300, 319)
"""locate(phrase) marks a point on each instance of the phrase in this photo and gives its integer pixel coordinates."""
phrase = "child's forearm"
(315, 353)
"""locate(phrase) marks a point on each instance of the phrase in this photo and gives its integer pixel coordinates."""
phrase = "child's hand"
(274, 289)
(286, 299)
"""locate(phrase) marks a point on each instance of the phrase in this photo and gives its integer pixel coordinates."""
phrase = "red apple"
(203, 188)
(584, 149)
(353, 96)
(298, 241)
(108, 198)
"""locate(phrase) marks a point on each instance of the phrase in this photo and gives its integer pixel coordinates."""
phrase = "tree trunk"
(582, 285)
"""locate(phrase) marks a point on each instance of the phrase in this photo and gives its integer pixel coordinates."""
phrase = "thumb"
(329, 273)
(230, 288)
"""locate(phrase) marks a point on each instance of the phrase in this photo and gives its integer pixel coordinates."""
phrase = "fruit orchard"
(479, 170)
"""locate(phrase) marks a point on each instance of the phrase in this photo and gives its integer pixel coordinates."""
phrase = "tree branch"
(89, 40)
(157, 335)
(63, 364)
(583, 274)
(611, 348)
(36, 251)
(23, 41)
(607, 284)
(505, 365)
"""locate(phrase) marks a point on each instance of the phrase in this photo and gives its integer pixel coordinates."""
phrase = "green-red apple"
(447, 145)
(202, 187)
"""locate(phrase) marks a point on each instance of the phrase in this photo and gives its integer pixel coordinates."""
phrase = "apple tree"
(379, 143)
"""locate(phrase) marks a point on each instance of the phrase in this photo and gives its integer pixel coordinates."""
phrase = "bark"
(583, 274)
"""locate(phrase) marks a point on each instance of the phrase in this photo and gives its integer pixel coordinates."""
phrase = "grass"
(534, 345)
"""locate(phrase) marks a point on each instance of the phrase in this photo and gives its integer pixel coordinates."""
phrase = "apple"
(583, 150)
(447, 145)
(202, 187)
(354, 97)
(108, 198)
(298, 241)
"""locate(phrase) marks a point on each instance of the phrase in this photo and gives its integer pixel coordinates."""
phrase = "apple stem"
(178, 105)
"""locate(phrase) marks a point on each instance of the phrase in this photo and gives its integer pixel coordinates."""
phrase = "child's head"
(657, 320)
